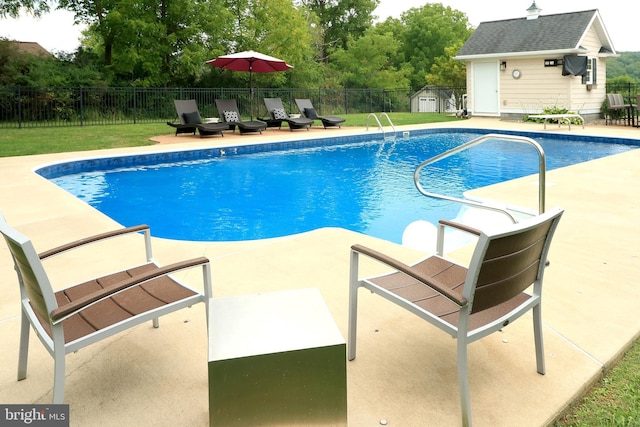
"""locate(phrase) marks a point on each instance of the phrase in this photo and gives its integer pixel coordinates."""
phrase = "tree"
(27, 69)
(12, 8)
(628, 63)
(429, 31)
(167, 42)
(276, 28)
(365, 63)
(12, 63)
(338, 20)
(447, 71)
(151, 43)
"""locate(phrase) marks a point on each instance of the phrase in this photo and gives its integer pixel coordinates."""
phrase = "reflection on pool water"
(367, 186)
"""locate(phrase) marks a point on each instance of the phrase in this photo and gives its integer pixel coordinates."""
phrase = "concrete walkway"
(158, 377)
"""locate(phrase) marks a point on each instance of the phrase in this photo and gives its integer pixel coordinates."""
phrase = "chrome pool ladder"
(542, 167)
(377, 119)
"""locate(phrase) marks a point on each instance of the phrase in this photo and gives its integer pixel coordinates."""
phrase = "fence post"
(81, 96)
(384, 102)
(346, 101)
(135, 104)
(19, 108)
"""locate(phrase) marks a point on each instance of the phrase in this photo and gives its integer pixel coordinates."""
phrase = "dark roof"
(548, 32)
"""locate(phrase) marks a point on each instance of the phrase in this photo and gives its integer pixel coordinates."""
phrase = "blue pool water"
(244, 193)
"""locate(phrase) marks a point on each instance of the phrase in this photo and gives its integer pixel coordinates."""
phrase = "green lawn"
(22, 142)
(615, 401)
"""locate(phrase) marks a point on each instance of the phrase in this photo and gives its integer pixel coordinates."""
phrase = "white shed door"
(427, 104)
(485, 89)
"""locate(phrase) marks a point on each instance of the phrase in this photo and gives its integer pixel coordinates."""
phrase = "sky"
(56, 31)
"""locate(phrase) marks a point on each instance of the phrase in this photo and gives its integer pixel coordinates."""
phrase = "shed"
(434, 99)
(521, 66)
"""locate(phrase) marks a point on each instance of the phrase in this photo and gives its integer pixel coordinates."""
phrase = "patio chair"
(229, 114)
(467, 303)
(306, 109)
(77, 316)
(617, 109)
(277, 115)
(190, 120)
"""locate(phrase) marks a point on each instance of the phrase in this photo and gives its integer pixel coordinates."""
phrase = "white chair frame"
(462, 332)
(37, 295)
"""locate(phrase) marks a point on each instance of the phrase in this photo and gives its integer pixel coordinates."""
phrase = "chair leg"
(353, 306)
(463, 381)
(59, 355)
(23, 354)
(156, 322)
(537, 332)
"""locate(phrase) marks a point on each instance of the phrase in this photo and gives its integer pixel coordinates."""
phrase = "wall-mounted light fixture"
(503, 66)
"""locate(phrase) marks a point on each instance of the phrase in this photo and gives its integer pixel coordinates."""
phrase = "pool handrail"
(377, 119)
(542, 167)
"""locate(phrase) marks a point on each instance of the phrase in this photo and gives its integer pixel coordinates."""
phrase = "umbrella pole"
(251, 91)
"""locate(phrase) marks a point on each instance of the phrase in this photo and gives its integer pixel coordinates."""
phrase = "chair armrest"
(459, 226)
(68, 310)
(92, 239)
(446, 223)
(412, 272)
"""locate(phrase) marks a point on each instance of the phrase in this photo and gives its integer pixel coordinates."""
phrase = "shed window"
(590, 77)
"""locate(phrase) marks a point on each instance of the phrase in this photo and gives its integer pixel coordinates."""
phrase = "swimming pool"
(271, 190)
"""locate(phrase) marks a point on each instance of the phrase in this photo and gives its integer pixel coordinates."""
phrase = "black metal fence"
(22, 107)
(28, 107)
(628, 90)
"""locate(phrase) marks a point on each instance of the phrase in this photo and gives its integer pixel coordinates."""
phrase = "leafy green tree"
(12, 63)
(447, 71)
(12, 8)
(26, 69)
(429, 31)
(621, 80)
(628, 63)
(95, 13)
(366, 62)
(338, 20)
(151, 43)
(276, 28)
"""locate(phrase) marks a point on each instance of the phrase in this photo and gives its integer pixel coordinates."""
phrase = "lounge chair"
(306, 109)
(277, 115)
(230, 115)
(467, 303)
(190, 120)
(77, 316)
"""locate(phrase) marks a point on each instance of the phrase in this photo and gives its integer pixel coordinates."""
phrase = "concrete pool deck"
(158, 377)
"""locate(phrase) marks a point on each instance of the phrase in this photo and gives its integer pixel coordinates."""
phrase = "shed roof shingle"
(548, 32)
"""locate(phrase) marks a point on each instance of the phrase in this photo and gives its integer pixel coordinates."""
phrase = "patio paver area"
(405, 371)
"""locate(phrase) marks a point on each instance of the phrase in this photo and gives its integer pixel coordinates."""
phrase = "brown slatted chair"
(80, 315)
(617, 109)
(467, 303)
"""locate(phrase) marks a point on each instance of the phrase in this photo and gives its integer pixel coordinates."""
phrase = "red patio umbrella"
(250, 61)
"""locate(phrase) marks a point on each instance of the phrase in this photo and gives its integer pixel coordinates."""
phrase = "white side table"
(276, 359)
